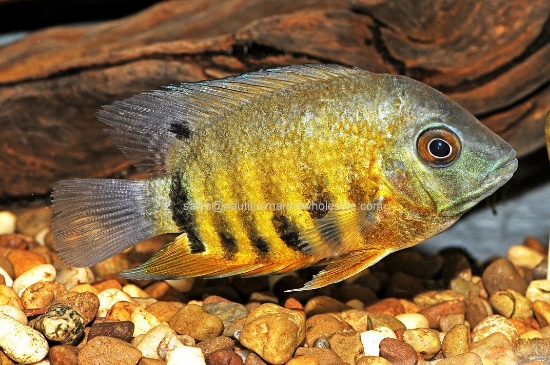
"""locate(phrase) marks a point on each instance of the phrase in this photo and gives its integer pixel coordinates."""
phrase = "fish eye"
(438, 147)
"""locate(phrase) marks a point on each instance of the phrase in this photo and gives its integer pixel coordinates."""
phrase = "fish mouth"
(501, 172)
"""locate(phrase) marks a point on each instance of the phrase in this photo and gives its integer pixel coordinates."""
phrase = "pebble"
(523, 256)
(467, 358)
(372, 360)
(123, 330)
(149, 343)
(324, 304)
(14, 313)
(496, 347)
(273, 332)
(324, 356)
(511, 304)
(225, 357)
(321, 326)
(432, 297)
(111, 266)
(24, 344)
(228, 312)
(502, 275)
(9, 297)
(134, 291)
(358, 319)
(185, 355)
(424, 341)
(397, 352)
(164, 311)
(347, 345)
(539, 290)
(371, 342)
(24, 260)
(533, 347)
(477, 309)
(413, 320)
(157, 289)
(120, 311)
(86, 303)
(32, 220)
(448, 321)
(181, 285)
(63, 355)
(148, 361)
(375, 321)
(108, 298)
(74, 276)
(542, 312)
(60, 324)
(108, 351)
(492, 324)
(143, 321)
(389, 306)
(195, 321)
(45, 272)
(8, 281)
(7, 222)
(216, 343)
(42, 294)
(107, 284)
(456, 341)
(434, 312)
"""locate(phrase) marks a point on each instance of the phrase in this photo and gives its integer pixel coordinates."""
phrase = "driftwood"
(490, 56)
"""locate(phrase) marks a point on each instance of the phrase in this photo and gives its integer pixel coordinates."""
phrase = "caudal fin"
(94, 219)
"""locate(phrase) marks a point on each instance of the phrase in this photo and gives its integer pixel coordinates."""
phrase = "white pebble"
(108, 298)
(144, 302)
(23, 344)
(74, 276)
(9, 296)
(40, 237)
(14, 313)
(143, 321)
(134, 291)
(371, 342)
(44, 272)
(7, 222)
(182, 285)
(524, 256)
(539, 290)
(413, 320)
(7, 277)
(148, 344)
(185, 355)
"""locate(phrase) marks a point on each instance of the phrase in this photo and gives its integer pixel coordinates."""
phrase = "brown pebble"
(63, 355)
(157, 289)
(324, 356)
(321, 326)
(148, 361)
(214, 299)
(121, 311)
(467, 358)
(303, 360)
(195, 321)
(211, 345)
(223, 357)
(23, 260)
(535, 244)
(293, 304)
(448, 321)
(372, 360)
(104, 269)
(357, 319)
(542, 312)
(324, 304)
(16, 241)
(121, 330)
(108, 351)
(502, 275)
(253, 359)
(495, 347)
(404, 285)
(477, 310)
(397, 352)
(107, 284)
(348, 292)
(7, 266)
(5, 360)
(434, 312)
(164, 311)
(376, 320)
(32, 220)
(389, 306)
(85, 303)
(42, 294)
(347, 345)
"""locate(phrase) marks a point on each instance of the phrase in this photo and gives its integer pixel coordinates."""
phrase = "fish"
(281, 169)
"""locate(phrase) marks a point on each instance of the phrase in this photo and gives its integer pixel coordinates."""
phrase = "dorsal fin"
(147, 126)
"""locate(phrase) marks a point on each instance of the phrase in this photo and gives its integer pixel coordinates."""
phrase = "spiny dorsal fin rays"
(147, 126)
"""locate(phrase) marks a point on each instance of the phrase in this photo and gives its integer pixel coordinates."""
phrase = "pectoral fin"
(345, 266)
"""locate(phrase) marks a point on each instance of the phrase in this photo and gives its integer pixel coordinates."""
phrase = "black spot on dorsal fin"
(181, 130)
(182, 215)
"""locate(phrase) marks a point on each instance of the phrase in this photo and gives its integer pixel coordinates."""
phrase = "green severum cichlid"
(280, 169)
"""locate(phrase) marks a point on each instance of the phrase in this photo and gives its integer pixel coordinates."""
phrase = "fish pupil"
(439, 148)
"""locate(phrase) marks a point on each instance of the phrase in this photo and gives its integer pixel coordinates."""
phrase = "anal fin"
(344, 266)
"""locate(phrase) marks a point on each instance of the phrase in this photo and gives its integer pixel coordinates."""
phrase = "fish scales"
(272, 171)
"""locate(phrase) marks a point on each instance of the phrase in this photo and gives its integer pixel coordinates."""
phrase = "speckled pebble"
(456, 341)
(164, 311)
(195, 321)
(39, 273)
(424, 341)
(216, 343)
(228, 312)
(273, 332)
(122, 330)
(358, 319)
(63, 355)
(347, 345)
(492, 324)
(14, 313)
(24, 344)
(42, 294)
(108, 351)
(321, 326)
(397, 352)
(60, 324)
(324, 356)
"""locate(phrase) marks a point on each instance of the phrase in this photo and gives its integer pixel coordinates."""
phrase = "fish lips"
(501, 172)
